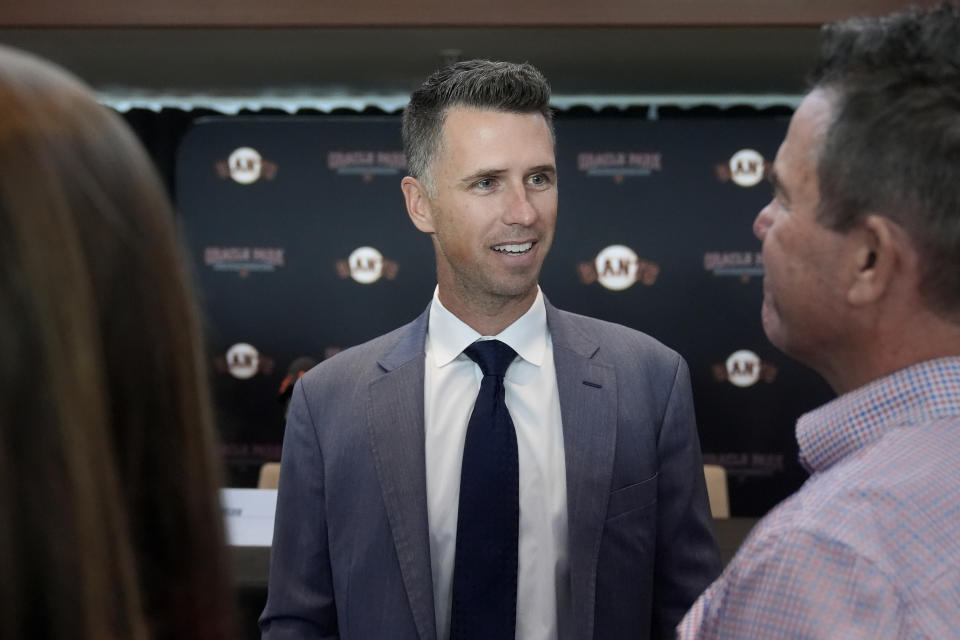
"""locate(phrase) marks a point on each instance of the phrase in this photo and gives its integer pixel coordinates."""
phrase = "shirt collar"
(916, 394)
(449, 336)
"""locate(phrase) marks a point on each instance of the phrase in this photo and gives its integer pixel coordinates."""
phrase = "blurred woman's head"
(111, 525)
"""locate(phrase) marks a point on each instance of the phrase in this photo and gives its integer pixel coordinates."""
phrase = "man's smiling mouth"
(514, 249)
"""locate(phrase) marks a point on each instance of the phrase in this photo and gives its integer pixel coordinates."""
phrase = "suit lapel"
(588, 409)
(396, 421)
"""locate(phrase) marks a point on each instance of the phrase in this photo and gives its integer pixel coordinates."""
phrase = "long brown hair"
(110, 524)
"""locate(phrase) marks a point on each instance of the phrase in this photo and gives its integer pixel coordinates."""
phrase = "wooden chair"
(269, 475)
(717, 490)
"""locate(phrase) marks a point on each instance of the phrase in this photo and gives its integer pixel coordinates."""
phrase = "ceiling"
(629, 62)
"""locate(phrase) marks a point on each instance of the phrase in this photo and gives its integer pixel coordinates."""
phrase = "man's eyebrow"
(543, 168)
(771, 177)
(492, 173)
(778, 187)
(482, 173)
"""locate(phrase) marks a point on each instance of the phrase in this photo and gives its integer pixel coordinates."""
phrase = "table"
(251, 565)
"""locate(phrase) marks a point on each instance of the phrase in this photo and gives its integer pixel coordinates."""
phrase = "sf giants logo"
(617, 267)
(245, 166)
(243, 361)
(366, 265)
(746, 168)
(744, 369)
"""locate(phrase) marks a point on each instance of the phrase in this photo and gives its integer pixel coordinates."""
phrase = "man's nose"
(519, 207)
(762, 223)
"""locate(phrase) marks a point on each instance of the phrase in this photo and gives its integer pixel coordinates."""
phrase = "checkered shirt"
(870, 545)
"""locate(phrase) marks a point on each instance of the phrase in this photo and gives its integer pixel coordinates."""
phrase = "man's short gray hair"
(479, 84)
(893, 146)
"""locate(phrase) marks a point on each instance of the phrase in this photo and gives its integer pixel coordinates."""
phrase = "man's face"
(495, 205)
(803, 302)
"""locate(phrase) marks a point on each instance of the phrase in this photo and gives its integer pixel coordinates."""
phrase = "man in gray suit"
(611, 528)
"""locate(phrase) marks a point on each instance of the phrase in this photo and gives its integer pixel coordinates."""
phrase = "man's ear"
(418, 204)
(880, 256)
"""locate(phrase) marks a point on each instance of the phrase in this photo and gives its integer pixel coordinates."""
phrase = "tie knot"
(493, 356)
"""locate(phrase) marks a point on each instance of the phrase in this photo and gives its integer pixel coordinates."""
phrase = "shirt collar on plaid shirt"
(919, 393)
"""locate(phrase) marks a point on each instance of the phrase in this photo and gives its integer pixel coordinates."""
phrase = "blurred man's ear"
(883, 252)
(418, 204)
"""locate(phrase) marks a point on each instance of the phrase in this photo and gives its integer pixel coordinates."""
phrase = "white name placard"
(249, 516)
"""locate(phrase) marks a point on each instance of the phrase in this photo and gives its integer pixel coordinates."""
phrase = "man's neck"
(488, 316)
(925, 337)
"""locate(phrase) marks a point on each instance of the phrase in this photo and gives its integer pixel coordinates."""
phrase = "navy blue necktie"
(488, 522)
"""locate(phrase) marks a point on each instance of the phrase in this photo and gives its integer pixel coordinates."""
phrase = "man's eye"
(539, 180)
(486, 183)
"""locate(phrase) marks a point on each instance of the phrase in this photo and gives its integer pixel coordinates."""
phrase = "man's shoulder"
(362, 359)
(615, 341)
(857, 512)
(887, 498)
(375, 347)
(806, 581)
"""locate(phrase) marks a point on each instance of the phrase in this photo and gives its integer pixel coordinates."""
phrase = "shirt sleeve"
(798, 584)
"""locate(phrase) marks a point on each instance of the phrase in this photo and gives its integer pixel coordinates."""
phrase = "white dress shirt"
(451, 383)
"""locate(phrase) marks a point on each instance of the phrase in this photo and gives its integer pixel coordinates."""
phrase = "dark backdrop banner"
(302, 247)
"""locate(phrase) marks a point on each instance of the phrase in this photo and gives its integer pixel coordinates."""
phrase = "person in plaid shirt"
(861, 245)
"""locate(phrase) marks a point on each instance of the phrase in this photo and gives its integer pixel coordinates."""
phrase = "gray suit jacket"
(351, 555)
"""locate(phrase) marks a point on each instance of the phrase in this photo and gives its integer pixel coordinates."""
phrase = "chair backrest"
(269, 475)
(717, 490)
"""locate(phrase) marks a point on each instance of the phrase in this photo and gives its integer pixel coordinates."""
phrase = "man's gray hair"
(893, 146)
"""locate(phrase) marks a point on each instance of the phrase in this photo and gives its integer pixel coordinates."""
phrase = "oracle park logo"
(246, 166)
(366, 163)
(740, 264)
(617, 268)
(619, 165)
(366, 265)
(244, 260)
(745, 464)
